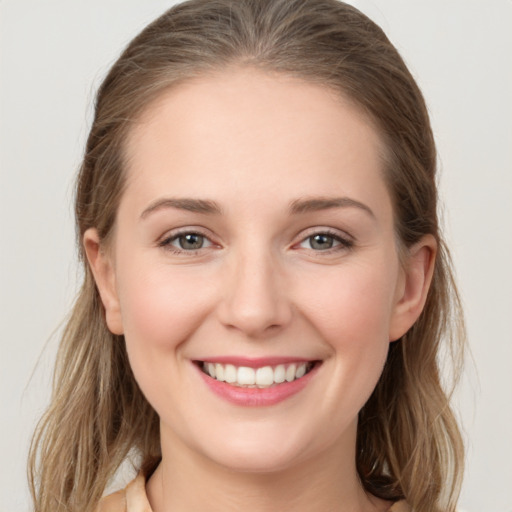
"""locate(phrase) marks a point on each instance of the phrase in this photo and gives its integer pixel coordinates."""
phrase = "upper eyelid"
(324, 230)
(175, 233)
(298, 238)
(345, 241)
(166, 242)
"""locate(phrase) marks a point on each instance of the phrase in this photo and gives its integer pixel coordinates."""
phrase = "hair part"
(408, 442)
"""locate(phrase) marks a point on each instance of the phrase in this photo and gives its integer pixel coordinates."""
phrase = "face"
(254, 270)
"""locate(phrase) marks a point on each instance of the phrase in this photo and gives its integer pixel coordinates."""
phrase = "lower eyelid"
(342, 242)
(168, 240)
(206, 243)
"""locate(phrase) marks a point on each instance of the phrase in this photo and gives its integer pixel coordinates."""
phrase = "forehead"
(245, 130)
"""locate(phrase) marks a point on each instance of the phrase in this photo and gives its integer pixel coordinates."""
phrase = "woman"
(266, 286)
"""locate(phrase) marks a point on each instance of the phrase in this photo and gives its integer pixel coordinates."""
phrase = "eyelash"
(342, 242)
(166, 243)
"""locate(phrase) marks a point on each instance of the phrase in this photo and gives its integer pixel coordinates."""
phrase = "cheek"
(353, 305)
(161, 307)
(352, 310)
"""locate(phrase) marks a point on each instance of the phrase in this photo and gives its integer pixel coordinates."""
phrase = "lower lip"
(257, 397)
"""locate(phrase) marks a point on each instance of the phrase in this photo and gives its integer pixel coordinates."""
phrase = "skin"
(255, 143)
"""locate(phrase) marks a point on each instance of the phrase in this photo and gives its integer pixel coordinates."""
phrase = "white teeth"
(301, 371)
(263, 377)
(290, 373)
(246, 376)
(279, 374)
(230, 373)
(219, 372)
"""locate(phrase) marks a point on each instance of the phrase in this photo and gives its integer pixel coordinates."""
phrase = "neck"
(186, 480)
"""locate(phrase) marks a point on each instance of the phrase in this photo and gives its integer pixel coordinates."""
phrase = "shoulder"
(400, 506)
(113, 503)
(131, 499)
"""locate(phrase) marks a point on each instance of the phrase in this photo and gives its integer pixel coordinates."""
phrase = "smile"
(262, 382)
(262, 377)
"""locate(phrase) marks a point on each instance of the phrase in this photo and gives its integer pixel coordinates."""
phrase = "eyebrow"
(325, 203)
(298, 206)
(203, 206)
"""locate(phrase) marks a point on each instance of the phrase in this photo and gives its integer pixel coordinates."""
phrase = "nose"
(254, 296)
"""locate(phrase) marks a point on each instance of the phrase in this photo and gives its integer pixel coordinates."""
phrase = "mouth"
(261, 377)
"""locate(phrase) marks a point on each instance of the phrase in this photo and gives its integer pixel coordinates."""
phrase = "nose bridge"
(254, 299)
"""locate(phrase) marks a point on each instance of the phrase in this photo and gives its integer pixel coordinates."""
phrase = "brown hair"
(408, 442)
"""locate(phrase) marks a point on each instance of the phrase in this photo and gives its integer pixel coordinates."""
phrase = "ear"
(104, 274)
(413, 287)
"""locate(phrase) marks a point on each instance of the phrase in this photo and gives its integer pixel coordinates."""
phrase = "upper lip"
(256, 362)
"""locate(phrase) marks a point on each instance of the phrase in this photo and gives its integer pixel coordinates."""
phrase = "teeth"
(279, 374)
(229, 373)
(219, 372)
(301, 371)
(263, 377)
(245, 376)
(290, 372)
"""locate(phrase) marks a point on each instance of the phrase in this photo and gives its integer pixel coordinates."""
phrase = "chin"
(258, 461)
(262, 448)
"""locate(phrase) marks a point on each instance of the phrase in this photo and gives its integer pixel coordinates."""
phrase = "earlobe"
(417, 275)
(103, 271)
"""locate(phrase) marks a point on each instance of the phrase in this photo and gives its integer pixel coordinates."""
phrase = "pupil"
(321, 242)
(191, 241)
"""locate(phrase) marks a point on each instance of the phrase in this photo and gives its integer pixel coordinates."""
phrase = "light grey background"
(54, 54)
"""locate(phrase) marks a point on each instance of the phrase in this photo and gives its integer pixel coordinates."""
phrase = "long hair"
(408, 442)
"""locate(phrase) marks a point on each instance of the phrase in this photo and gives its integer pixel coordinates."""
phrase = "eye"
(186, 242)
(325, 241)
(190, 241)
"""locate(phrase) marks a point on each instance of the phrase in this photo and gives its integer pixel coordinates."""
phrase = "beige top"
(134, 499)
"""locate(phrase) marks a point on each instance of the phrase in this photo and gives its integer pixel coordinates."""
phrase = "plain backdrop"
(53, 56)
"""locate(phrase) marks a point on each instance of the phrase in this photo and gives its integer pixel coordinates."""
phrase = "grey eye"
(321, 241)
(190, 241)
